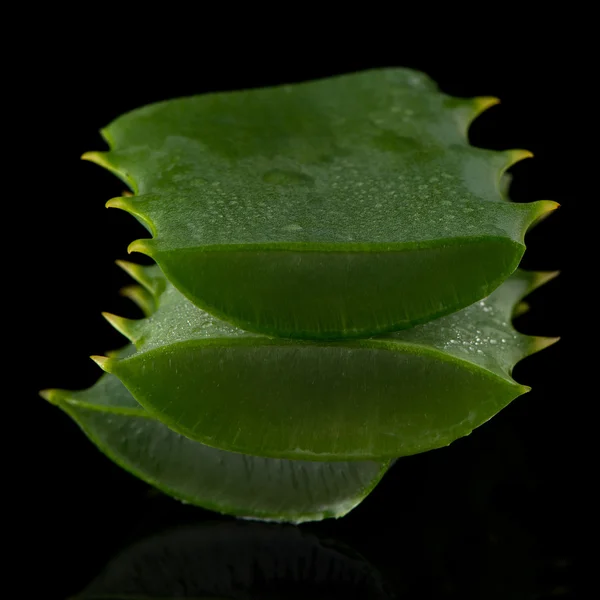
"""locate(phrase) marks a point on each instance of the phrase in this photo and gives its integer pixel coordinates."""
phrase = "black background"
(495, 515)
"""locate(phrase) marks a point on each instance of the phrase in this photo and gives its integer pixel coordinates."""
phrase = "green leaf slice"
(369, 399)
(338, 208)
(227, 482)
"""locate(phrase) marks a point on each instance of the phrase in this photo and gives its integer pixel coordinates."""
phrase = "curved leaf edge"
(63, 399)
(143, 275)
(532, 280)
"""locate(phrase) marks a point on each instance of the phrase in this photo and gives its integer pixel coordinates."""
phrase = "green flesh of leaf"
(247, 486)
(338, 208)
(371, 399)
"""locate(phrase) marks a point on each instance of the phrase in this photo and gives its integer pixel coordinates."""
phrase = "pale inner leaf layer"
(250, 486)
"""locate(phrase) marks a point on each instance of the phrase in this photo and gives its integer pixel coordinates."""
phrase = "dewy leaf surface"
(370, 399)
(248, 486)
(343, 207)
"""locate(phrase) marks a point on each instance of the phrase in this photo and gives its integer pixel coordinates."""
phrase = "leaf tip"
(482, 103)
(541, 210)
(517, 155)
(126, 203)
(139, 274)
(547, 207)
(102, 361)
(140, 297)
(49, 395)
(127, 266)
(121, 324)
(543, 277)
(141, 246)
(118, 202)
(540, 343)
(98, 158)
(509, 158)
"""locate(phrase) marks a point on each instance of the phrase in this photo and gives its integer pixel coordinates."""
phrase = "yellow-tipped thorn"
(482, 103)
(98, 158)
(139, 246)
(544, 209)
(54, 396)
(136, 272)
(509, 158)
(543, 342)
(132, 269)
(548, 207)
(542, 277)
(519, 155)
(131, 291)
(122, 325)
(47, 395)
(112, 319)
(126, 204)
(118, 202)
(101, 361)
(139, 274)
(141, 297)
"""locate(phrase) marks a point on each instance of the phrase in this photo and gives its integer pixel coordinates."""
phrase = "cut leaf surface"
(343, 207)
(382, 397)
(227, 482)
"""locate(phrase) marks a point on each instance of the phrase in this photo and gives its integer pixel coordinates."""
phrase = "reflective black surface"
(471, 521)
(238, 560)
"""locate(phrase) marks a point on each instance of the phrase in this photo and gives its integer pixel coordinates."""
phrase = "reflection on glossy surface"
(237, 561)
(472, 522)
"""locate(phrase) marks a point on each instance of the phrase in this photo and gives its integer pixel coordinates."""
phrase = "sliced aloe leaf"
(376, 398)
(343, 207)
(248, 486)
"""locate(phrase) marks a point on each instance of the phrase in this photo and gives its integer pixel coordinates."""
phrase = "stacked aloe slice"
(336, 272)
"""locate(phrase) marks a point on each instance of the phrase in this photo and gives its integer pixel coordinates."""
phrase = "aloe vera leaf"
(383, 397)
(227, 482)
(343, 207)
